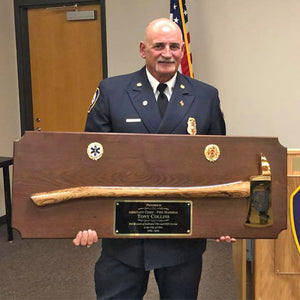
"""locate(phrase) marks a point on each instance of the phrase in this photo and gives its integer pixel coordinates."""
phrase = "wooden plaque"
(51, 161)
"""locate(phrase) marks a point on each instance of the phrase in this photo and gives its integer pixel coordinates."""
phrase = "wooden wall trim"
(293, 162)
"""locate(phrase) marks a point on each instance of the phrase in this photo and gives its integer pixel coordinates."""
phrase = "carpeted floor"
(55, 269)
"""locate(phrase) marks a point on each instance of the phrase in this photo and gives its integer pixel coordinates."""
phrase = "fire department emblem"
(295, 216)
(94, 100)
(212, 152)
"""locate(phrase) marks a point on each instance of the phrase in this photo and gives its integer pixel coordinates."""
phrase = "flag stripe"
(179, 15)
(186, 40)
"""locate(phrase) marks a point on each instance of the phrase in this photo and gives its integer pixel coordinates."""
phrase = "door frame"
(23, 53)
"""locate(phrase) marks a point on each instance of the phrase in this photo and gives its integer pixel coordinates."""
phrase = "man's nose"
(167, 52)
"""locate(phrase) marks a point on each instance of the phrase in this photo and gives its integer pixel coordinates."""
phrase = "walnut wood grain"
(51, 161)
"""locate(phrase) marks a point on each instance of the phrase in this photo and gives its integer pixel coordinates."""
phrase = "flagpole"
(186, 39)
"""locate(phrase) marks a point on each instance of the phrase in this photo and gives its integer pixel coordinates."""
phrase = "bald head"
(161, 25)
(162, 48)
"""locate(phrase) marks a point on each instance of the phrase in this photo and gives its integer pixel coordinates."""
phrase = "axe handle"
(239, 189)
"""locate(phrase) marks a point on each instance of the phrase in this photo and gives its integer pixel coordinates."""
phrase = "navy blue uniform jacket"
(127, 104)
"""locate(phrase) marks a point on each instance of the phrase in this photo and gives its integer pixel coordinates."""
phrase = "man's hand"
(226, 238)
(86, 238)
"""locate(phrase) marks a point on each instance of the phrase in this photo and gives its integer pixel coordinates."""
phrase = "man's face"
(162, 50)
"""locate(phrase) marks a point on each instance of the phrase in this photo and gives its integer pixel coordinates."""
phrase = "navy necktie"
(162, 100)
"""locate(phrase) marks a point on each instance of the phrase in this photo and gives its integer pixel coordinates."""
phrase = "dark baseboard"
(3, 220)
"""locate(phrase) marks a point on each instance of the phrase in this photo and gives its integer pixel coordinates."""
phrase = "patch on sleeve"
(221, 109)
(94, 99)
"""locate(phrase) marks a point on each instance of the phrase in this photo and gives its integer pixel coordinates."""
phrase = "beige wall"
(125, 31)
(249, 50)
(9, 112)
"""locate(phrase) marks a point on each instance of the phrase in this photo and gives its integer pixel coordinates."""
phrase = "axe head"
(260, 204)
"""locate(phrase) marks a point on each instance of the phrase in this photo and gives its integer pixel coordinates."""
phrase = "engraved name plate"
(158, 218)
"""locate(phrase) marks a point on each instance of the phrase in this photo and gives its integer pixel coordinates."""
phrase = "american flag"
(178, 13)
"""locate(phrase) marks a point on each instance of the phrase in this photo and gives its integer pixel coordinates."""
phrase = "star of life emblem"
(94, 150)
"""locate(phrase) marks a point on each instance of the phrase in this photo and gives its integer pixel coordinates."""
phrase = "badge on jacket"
(94, 99)
(192, 127)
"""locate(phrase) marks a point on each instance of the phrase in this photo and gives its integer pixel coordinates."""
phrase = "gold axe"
(258, 189)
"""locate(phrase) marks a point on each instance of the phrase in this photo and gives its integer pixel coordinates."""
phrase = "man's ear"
(142, 49)
(182, 49)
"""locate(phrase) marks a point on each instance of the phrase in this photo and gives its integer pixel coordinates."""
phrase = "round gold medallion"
(212, 152)
(94, 150)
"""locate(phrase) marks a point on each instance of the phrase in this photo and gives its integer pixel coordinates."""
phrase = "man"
(131, 103)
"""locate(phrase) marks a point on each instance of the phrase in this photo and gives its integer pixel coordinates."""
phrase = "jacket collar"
(143, 99)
